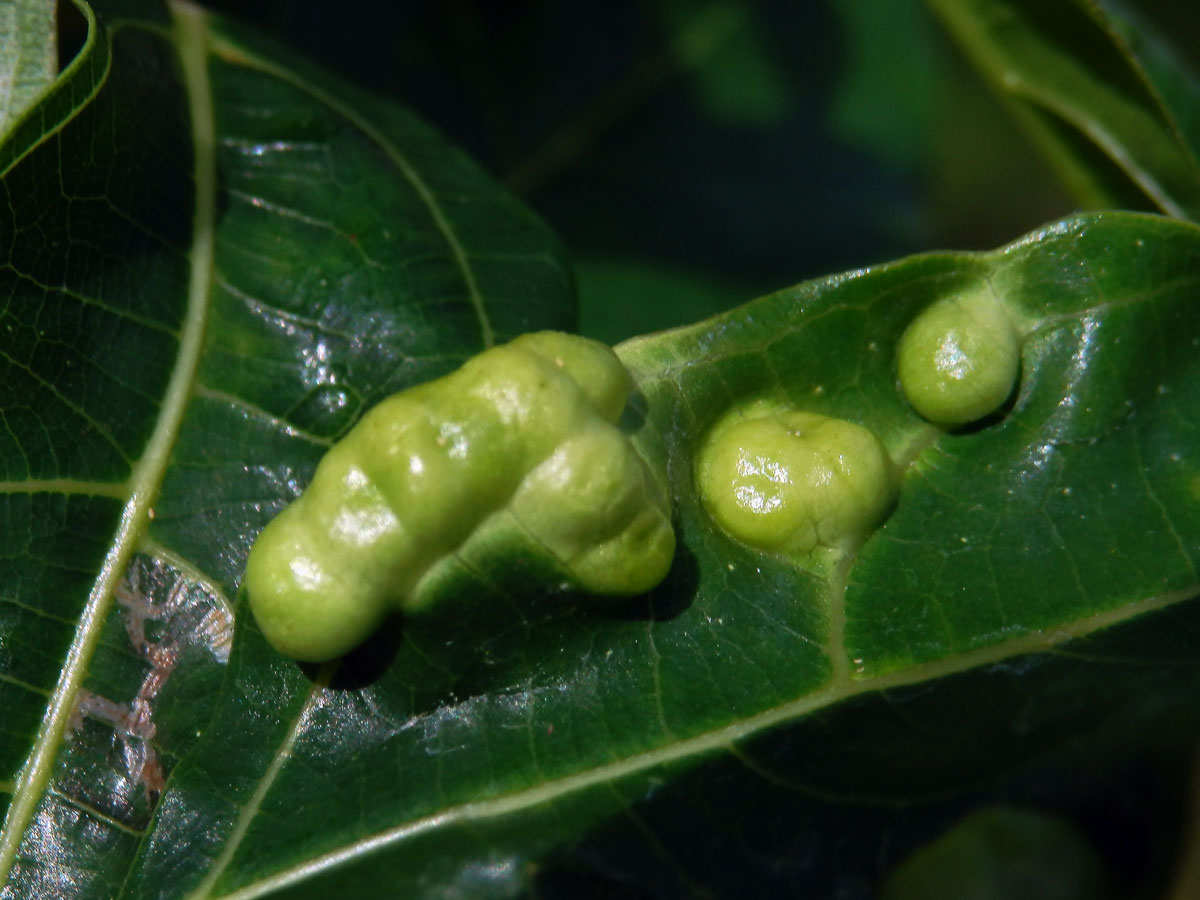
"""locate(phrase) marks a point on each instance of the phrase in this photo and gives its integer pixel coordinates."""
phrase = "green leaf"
(456, 752)
(1167, 75)
(214, 260)
(890, 80)
(1106, 100)
(29, 60)
(1099, 734)
(1022, 508)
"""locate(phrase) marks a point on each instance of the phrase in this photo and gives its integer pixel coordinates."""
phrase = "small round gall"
(959, 359)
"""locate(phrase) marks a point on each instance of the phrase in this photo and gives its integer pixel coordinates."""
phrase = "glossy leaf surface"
(219, 258)
(213, 265)
(467, 745)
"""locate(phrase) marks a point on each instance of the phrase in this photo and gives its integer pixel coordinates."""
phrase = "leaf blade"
(109, 153)
(462, 740)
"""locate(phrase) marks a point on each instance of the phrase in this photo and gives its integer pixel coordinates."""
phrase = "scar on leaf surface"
(958, 361)
(133, 722)
(788, 481)
(515, 454)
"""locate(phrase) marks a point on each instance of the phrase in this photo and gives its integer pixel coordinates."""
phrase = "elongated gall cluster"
(516, 453)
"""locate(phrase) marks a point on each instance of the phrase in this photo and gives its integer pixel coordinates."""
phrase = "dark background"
(694, 155)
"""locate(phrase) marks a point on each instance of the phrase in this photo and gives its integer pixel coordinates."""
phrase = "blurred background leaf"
(1110, 103)
(696, 154)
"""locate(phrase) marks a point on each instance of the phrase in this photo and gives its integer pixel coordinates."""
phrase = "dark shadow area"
(72, 32)
(994, 418)
(669, 599)
(365, 664)
(567, 878)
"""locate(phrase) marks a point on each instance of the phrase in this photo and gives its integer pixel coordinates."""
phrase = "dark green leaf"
(1167, 75)
(213, 262)
(217, 258)
(1099, 733)
(454, 752)
(1084, 492)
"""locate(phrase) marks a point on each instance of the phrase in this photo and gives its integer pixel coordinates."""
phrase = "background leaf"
(1106, 101)
(657, 187)
(30, 58)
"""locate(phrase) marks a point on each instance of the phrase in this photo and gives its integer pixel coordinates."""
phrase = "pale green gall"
(959, 360)
(789, 481)
(515, 453)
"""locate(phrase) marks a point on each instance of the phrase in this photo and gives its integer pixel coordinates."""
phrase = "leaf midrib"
(148, 471)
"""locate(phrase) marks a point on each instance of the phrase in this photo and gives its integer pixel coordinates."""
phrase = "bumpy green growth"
(516, 450)
(791, 481)
(959, 359)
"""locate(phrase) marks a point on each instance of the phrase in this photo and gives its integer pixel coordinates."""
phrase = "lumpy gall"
(514, 454)
(792, 481)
